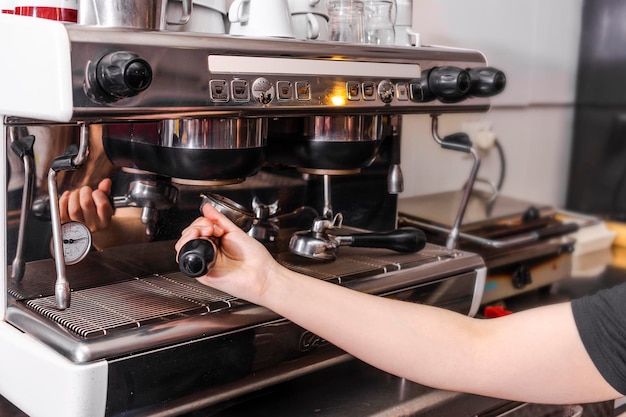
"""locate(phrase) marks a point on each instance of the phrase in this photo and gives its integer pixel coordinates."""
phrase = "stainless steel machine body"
(129, 335)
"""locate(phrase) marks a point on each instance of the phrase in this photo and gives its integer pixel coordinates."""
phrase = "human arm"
(534, 356)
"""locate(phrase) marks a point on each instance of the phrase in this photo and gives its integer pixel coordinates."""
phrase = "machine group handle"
(197, 257)
(406, 239)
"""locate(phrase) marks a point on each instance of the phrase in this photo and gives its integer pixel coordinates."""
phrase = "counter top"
(353, 388)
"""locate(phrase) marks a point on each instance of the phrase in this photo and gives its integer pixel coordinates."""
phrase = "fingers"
(104, 209)
(105, 186)
(211, 224)
(222, 223)
(63, 207)
(199, 228)
(91, 207)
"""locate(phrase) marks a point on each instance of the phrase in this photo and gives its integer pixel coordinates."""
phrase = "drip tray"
(124, 305)
(117, 307)
(106, 309)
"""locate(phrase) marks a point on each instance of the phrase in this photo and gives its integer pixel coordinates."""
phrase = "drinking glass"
(378, 22)
(345, 20)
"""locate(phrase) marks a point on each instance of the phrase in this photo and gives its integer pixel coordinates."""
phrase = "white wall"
(535, 42)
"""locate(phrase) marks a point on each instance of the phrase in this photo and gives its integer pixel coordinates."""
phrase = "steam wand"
(458, 142)
(24, 149)
(395, 179)
(327, 211)
(71, 160)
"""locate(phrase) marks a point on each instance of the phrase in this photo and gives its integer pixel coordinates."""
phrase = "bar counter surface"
(352, 388)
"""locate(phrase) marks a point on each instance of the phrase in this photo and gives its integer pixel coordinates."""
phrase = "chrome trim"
(296, 66)
(479, 290)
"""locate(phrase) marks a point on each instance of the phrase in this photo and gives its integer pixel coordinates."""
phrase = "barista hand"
(88, 206)
(536, 355)
(242, 263)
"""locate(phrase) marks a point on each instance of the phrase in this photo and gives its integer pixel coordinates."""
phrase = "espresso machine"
(298, 141)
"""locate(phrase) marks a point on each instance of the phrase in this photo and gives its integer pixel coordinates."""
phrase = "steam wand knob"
(486, 82)
(197, 257)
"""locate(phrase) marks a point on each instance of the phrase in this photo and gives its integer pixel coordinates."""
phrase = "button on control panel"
(402, 91)
(285, 90)
(263, 90)
(369, 91)
(303, 91)
(386, 91)
(219, 91)
(240, 90)
(353, 90)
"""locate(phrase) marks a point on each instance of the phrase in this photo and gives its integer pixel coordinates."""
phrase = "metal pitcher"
(138, 14)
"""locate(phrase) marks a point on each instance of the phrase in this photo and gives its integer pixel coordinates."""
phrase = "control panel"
(122, 79)
(125, 74)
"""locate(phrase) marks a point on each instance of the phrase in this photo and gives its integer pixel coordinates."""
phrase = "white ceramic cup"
(260, 18)
(208, 16)
(308, 6)
(310, 26)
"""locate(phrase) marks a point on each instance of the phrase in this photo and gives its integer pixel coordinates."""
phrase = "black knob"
(486, 82)
(197, 257)
(448, 84)
(123, 74)
(531, 214)
(521, 277)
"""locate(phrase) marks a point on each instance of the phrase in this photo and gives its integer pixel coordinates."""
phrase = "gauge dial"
(76, 242)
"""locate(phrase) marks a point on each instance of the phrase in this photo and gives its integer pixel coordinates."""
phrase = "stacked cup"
(345, 22)
(208, 16)
(309, 19)
(60, 10)
(260, 18)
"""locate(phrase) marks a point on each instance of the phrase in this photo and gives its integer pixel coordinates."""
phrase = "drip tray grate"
(106, 309)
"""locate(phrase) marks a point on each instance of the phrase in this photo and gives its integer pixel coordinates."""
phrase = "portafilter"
(321, 244)
(261, 223)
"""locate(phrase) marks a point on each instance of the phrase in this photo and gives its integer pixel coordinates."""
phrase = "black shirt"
(601, 322)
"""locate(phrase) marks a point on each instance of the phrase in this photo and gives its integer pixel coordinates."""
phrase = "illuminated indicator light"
(338, 100)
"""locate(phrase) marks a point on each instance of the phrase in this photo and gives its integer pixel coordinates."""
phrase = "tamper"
(197, 257)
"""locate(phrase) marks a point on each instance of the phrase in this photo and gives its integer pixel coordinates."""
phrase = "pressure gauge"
(76, 242)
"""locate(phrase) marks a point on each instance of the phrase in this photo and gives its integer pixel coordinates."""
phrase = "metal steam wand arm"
(327, 211)
(71, 160)
(458, 142)
(24, 149)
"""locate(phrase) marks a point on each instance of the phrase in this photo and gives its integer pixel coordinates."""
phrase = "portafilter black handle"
(406, 239)
(197, 257)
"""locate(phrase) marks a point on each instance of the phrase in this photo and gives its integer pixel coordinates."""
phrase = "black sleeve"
(601, 322)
